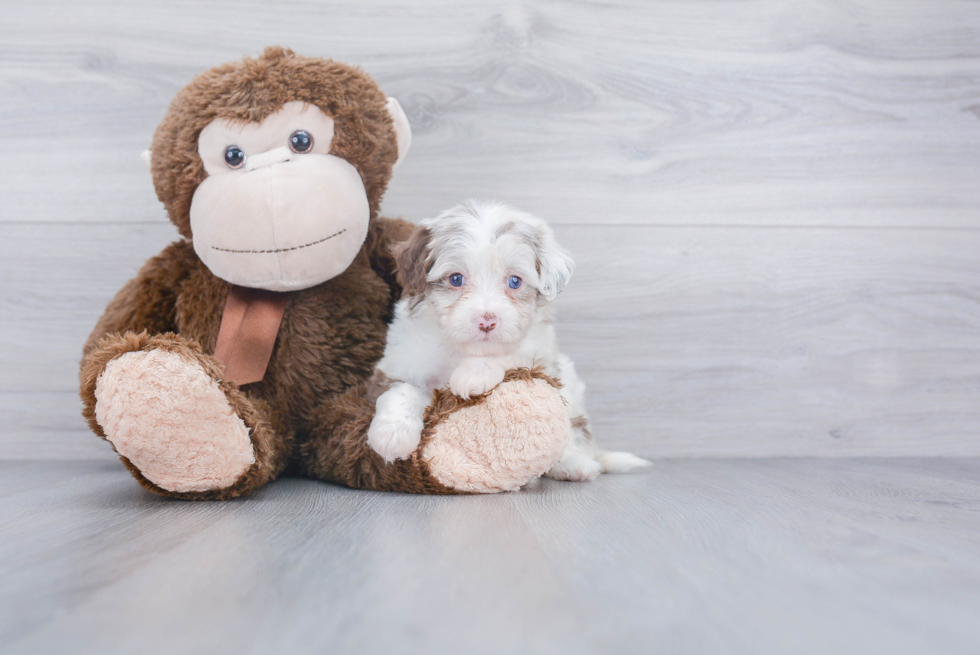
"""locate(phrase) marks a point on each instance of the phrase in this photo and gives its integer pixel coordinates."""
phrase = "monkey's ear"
(411, 261)
(403, 131)
(147, 157)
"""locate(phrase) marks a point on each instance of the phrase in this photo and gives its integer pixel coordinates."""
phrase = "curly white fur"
(470, 325)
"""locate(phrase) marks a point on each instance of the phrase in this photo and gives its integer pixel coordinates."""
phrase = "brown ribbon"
(248, 332)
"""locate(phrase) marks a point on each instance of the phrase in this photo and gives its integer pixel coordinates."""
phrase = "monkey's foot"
(500, 441)
(172, 421)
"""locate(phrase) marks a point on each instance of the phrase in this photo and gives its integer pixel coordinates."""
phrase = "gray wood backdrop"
(774, 204)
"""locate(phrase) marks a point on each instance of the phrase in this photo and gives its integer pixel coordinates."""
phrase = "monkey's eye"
(234, 157)
(456, 279)
(300, 141)
(514, 282)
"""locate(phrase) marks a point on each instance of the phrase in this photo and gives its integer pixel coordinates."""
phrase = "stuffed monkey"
(244, 349)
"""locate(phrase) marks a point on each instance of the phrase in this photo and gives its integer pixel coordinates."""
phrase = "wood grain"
(693, 342)
(774, 204)
(682, 113)
(736, 556)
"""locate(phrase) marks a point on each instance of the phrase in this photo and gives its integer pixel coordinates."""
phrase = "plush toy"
(244, 350)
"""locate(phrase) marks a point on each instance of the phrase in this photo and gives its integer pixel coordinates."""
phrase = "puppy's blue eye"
(456, 279)
(514, 282)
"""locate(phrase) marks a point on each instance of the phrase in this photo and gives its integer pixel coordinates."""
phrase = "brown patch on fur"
(411, 261)
(252, 89)
(337, 448)
(583, 424)
(382, 237)
(504, 229)
(376, 385)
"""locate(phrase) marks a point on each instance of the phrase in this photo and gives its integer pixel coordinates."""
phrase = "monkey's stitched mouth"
(262, 252)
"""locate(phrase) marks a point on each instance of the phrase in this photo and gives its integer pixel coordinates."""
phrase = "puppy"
(478, 283)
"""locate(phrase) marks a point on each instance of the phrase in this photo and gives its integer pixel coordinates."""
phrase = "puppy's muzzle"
(487, 323)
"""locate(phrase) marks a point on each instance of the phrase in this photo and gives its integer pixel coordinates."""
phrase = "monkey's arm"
(383, 233)
(148, 301)
(503, 439)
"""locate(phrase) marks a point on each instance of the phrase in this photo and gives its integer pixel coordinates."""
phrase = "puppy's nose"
(487, 322)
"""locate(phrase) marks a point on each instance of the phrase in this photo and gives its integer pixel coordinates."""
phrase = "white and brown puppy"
(478, 284)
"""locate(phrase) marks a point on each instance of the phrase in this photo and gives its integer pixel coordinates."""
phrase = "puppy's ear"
(411, 262)
(555, 266)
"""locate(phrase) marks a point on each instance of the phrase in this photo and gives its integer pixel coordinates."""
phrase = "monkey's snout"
(268, 158)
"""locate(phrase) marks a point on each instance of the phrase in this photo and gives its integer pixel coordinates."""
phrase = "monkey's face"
(277, 211)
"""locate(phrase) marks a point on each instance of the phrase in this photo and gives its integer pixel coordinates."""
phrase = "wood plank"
(48, 426)
(778, 342)
(694, 342)
(695, 556)
(694, 113)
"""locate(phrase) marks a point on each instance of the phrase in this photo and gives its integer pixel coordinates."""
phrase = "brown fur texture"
(310, 412)
(252, 89)
(337, 451)
(412, 261)
(337, 448)
(331, 334)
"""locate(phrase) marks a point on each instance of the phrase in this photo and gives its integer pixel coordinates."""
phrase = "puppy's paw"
(575, 467)
(394, 438)
(475, 377)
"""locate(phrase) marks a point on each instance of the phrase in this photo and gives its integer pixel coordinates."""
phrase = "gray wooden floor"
(775, 209)
(839, 556)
